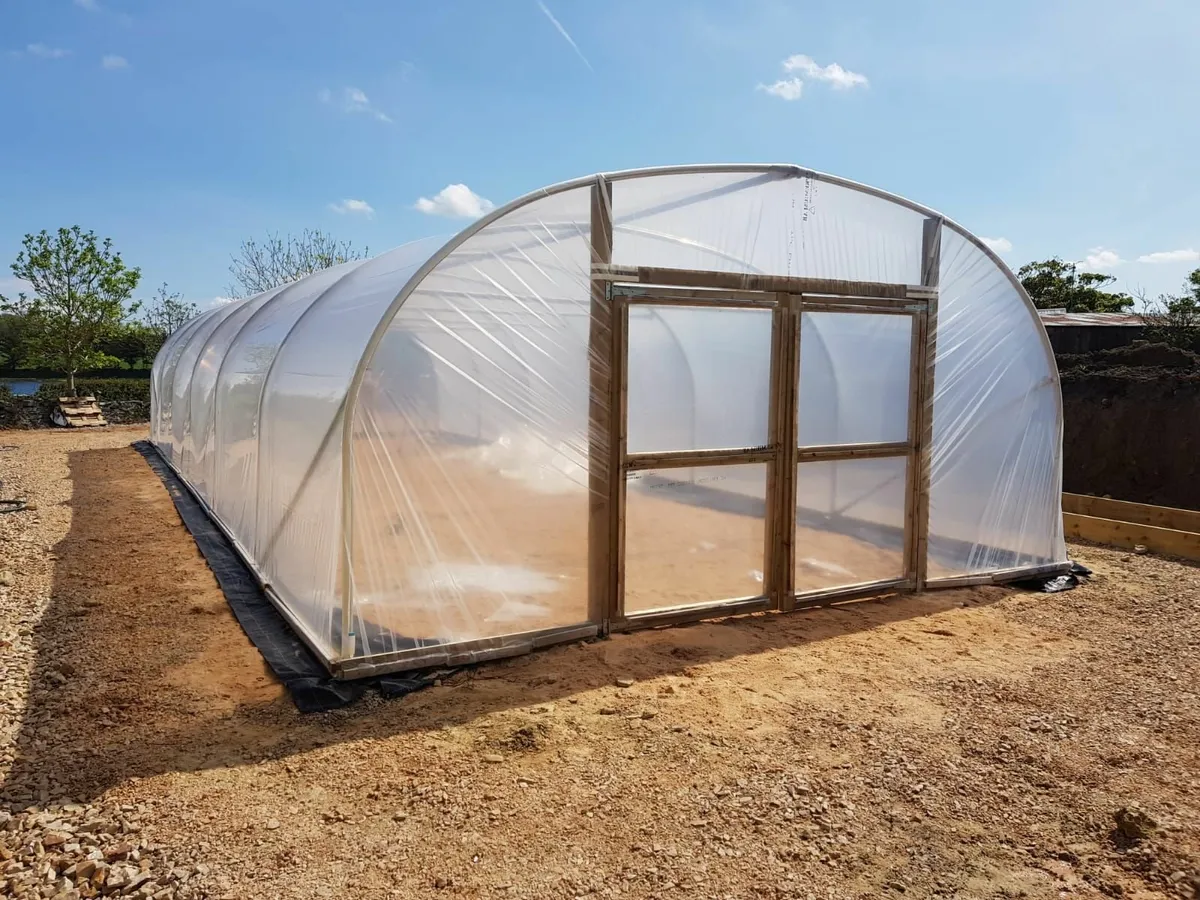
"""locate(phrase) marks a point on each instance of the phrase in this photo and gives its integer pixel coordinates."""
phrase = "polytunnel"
(627, 400)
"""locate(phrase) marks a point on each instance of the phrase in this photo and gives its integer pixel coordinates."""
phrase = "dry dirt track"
(973, 743)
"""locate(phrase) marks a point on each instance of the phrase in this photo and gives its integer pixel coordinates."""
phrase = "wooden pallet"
(78, 412)
(1160, 529)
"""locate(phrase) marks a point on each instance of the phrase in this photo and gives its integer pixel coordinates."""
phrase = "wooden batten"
(775, 521)
(1168, 541)
(745, 282)
(602, 473)
(683, 459)
(1125, 511)
(931, 254)
(682, 615)
(854, 451)
(619, 457)
(789, 439)
(912, 474)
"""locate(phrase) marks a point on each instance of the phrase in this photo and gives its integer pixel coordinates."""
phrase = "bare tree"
(166, 312)
(258, 267)
(1175, 319)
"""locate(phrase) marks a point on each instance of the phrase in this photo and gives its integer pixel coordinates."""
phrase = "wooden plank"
(867, 308)
(845, 303)
(681, 615)
(844, 593)
(853, 451)
(79, 412)
(789, 384)
(912, 472)
(704, 297)
(620, 451)
(602, 473)
(684, 459)
(1000, 576)
(777, 521)
(1169, 541)
(716, 302)
(740, 281)
(1125, 511)
(931, 253)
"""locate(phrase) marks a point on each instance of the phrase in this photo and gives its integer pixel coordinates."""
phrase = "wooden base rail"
(1119, 523)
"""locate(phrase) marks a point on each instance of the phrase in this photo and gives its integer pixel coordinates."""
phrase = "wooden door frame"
(788, 296)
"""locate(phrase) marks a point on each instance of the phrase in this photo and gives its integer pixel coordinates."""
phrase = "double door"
(767, 445)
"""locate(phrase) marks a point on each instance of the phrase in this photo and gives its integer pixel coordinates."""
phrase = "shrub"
(125, 401)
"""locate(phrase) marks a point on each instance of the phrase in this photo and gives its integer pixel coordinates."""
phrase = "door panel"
(855, 439)
(850, 516)
(694, 536)
(854, 378)
(698, 378)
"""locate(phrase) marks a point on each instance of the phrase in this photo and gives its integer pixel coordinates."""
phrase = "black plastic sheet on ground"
(1055, 584)
(311, 687)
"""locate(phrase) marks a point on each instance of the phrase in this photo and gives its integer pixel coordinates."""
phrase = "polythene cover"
(468, 466)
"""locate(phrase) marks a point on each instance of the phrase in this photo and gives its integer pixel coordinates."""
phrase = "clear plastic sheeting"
(843, 401)
(849, 522)
(412, 451)
(679, 354)
(694, 536)
(995, 493)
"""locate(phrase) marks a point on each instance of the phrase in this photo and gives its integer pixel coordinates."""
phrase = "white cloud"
(114, 62)
(841, 79)
(455, 201)
(998, 245)
(1171, 256)
(44, 52)
(89, 5)
(1099, 259)
(358, 207)
(803, 68)
(785, 88)
(218, 301)
(354, 100)
(558, 25)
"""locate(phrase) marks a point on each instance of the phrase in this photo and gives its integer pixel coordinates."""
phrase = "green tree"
(166, 312)
(1175, 319)
(80, 291)
(1055, 284)
(258, 267)
(12, 340)
(132, 343)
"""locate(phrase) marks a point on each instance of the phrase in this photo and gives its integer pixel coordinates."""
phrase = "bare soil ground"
(972, 743)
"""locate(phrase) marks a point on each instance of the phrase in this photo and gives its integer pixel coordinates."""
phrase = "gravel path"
(975, 743)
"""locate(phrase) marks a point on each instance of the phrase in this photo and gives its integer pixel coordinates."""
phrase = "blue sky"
(181, 127)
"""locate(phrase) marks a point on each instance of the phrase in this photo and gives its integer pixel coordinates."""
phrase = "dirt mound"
(1140, 360)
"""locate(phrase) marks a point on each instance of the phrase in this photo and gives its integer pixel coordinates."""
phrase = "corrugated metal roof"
(1052, 317)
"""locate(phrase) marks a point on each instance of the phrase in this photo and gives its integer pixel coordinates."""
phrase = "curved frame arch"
(768, 171)
(343, 416)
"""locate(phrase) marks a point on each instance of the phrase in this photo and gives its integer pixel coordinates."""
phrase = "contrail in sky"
(563, 32)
